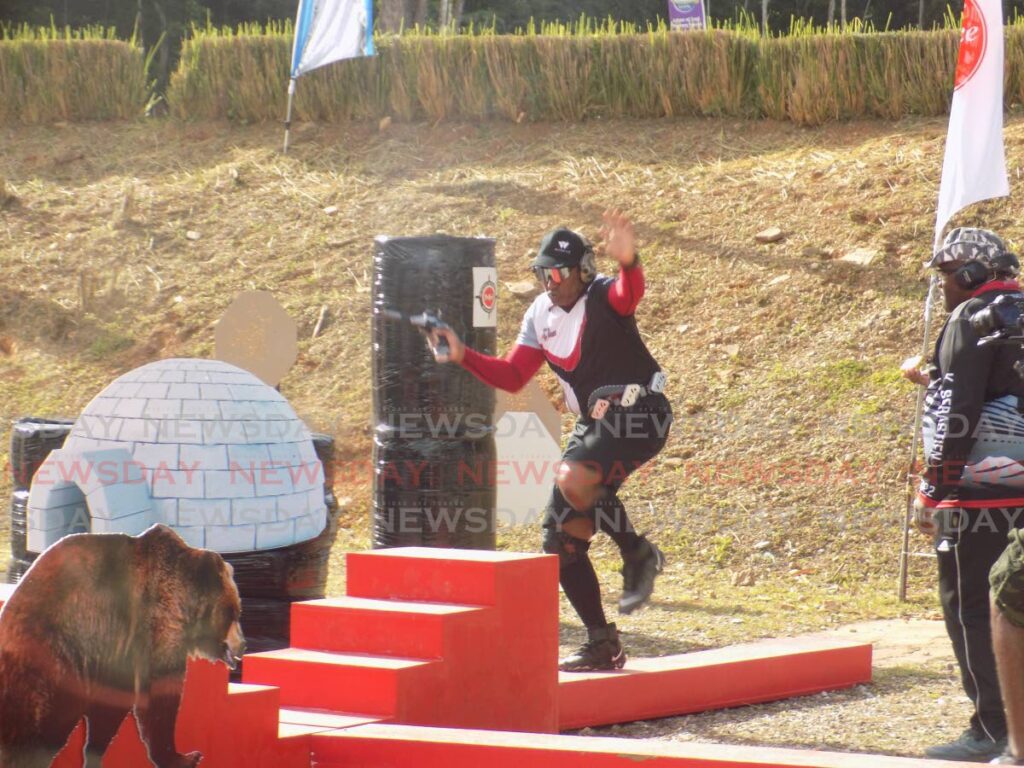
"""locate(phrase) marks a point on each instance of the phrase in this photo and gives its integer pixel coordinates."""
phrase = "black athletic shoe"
(639, 569)
(601, 651)
(971, 747)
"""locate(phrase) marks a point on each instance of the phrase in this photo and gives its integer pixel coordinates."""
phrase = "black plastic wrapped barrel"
(19, 524)
(32, 439)
(266, 623)
(17, 566)
(324, 446)
(434, 493)
(270, 580)
(434, 452)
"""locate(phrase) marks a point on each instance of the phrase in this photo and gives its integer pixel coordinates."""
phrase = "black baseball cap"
(561, 248)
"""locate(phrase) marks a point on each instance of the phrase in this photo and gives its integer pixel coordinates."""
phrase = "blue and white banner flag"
(329, 30)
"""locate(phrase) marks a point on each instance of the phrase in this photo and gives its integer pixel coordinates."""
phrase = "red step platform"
(232, 725)
(431, 637)
(469, 640)
(390, 746)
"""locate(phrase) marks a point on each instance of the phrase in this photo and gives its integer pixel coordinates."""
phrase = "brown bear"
(102, 625)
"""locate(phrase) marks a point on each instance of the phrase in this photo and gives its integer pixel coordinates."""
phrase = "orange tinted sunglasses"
(555, 274)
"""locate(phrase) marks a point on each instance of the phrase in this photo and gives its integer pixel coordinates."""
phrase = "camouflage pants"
(1007, 579)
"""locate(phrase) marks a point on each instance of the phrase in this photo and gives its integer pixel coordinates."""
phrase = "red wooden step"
(297, 727)
(233, 725)
(388, 746)
(715, 679)
(461, 576)
(382, 627)
(497, 631)
(322, 720)
(512, 647)
(342, 682)
(250, 719)
(203, 701)
(293, 748)
(244, 733)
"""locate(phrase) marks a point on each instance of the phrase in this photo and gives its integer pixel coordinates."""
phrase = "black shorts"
(617, 444)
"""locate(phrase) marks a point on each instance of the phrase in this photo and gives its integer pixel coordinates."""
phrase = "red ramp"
(715, 679)
(395, 746)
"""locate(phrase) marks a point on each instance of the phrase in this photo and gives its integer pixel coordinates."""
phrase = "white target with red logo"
(485, 297)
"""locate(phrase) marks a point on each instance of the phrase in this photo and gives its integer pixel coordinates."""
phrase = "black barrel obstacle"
(434, 450)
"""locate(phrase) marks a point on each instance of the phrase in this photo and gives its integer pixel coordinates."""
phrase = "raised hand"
(618, 239)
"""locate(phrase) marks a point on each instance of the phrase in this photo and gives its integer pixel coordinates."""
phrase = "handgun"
(426, 322)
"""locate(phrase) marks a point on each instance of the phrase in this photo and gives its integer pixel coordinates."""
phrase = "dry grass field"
(779, 498)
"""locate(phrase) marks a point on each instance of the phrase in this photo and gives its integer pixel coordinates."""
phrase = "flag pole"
(911, 465)
(288, 117)
(974, 165)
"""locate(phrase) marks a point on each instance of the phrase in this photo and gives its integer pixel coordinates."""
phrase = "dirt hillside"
(779, 498)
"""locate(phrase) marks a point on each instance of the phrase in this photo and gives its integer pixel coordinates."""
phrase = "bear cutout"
(102, 625)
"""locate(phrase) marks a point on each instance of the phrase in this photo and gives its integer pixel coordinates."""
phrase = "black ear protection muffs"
(588, 265)
(977, 272)
(565, 248)
(973, 274)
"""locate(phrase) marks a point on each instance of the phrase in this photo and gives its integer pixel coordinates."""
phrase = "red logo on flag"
(973, 42)
(488, 296)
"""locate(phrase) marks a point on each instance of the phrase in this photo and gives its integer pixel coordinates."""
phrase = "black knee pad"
(610, 514)
(558, 509)
(569, 549)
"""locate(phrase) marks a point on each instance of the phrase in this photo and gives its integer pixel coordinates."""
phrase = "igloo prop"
(200, 445)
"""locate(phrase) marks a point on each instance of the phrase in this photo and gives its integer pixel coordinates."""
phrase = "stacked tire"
(269, 581)
(32, 439)
(433, 493)
(434, 451)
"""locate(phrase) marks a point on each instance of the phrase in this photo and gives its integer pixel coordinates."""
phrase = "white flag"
(329, 30)
(975, 164)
